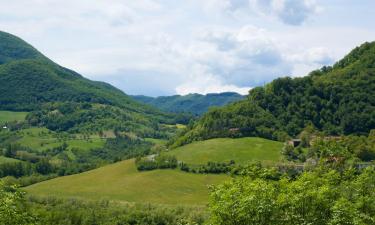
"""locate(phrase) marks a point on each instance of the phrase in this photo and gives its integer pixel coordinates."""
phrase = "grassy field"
(7, 116)
(122, 182)
(42, 139)
(241, 150)
(6, 160)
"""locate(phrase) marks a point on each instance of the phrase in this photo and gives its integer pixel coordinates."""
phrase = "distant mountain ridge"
(192, 103)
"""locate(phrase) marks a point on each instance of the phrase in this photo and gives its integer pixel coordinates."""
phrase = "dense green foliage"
(335, 100)
(12, 207)
(355, 148)
(322, 197)
(196, 104)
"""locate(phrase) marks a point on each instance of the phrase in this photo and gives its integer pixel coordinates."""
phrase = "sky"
(166, 47)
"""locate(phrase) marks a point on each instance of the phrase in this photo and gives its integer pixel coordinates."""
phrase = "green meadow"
(122, 182)
(42, 139)
(241, 150)
(8, 116)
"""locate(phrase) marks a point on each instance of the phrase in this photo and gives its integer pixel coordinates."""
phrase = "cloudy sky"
(164, 47)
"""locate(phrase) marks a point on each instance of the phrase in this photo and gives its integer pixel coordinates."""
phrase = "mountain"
(29, 81)
(192, 103)
(336, 100)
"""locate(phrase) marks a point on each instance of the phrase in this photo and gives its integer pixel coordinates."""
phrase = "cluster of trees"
(356, 148)
(338, 100)
(156, 162)
(13, 209)
(321, 197)
(85, 117)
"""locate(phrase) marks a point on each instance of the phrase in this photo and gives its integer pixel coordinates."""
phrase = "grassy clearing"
(122, 182)
(7, 160)
(8, 116)
(241, 150)
(42, 139)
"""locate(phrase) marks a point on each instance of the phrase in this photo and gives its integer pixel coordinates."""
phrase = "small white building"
(5, 127)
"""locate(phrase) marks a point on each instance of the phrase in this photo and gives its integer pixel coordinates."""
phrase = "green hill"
(196, 104)
(337, 100)
(241, 150)
(28, 79)
(63, 100)
(122, 182)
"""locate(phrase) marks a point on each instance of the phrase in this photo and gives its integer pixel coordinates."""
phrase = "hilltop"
(337, 100)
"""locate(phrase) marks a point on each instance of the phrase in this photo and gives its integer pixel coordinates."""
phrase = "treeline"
(338, 100)
(162, 161)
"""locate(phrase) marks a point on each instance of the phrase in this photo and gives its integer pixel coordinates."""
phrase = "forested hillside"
(29, 79)
(337, 100)
(196, 104)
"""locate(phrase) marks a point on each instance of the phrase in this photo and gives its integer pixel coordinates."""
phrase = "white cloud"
(293, 12)
(165, 46)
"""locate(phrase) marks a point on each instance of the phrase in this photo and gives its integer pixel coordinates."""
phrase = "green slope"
(122, 182)
(191, 103)
(338, 100)
(241, 150)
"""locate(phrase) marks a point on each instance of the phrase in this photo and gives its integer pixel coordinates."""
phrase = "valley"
(294, 149)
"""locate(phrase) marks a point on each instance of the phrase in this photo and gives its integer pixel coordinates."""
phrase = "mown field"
(8, 116)
(241, 150)
(122, 182)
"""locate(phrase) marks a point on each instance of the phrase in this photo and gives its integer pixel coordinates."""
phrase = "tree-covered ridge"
(192, 103)
(30, 82)
(337, 100)
(13, 48)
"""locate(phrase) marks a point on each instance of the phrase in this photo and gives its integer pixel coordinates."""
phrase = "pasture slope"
(241, 150)
(122, 182)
